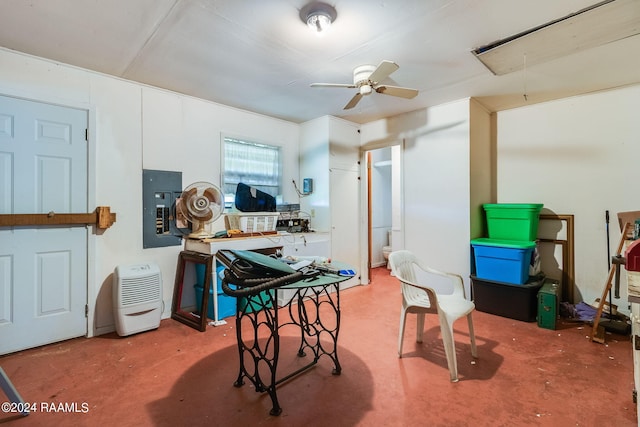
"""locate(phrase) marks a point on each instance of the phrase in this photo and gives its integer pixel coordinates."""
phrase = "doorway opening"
(383, 203)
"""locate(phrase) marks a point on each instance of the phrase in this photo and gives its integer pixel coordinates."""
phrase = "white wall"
(325, 143)
(577, 156)
(134, 127)
(329, 153)
(397, 237)
(436, 179)
(314, 163)
(481, 166)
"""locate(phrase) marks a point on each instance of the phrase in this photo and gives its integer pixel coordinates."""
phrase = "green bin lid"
(536, 206)
(512, 244)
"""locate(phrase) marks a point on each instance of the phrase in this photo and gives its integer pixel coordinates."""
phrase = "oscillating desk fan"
(201, 204)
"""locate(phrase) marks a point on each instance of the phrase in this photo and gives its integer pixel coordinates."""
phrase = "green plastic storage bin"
(513, 221)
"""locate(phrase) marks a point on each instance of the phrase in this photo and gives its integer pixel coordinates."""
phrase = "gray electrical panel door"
(160, 189)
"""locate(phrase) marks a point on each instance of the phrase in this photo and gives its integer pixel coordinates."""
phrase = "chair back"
(403, 264)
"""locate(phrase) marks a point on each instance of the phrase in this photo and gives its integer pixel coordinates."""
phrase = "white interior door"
(43, 269)
(345, 220)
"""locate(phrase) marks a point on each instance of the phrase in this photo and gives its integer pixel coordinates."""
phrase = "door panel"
(43, 270)
(345, 229)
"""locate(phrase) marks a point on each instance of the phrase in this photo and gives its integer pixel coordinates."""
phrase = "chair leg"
(403, 321)
(420, 327)
(7, 386)
(472, 336)
(450, 350)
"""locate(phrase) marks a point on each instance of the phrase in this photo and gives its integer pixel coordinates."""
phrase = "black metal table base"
(316, 313)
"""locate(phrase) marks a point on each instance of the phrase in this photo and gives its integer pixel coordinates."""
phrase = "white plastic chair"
(422, 299)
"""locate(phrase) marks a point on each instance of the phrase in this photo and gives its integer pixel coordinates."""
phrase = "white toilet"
(386, 250)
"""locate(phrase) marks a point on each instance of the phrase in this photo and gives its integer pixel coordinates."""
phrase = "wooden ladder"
(598, 331)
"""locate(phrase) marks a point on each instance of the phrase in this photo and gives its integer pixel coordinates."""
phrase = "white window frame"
(267, 184)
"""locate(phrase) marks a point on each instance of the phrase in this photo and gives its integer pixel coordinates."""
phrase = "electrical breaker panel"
(160, 189)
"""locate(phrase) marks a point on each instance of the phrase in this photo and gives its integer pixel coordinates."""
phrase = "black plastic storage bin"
(518, 302)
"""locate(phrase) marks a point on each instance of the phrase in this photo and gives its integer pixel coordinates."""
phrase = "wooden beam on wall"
(101, 217)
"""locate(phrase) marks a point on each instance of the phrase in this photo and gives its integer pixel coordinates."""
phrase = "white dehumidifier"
(137, 298)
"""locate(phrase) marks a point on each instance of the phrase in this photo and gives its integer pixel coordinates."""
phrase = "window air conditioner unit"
(137, 298)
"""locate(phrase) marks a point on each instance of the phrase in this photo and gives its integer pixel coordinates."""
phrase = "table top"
(323, 279)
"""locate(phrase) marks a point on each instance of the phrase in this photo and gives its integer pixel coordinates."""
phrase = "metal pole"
(12, 393)
(609, 263)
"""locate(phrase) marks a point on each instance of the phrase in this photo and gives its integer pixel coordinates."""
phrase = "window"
(251, 163)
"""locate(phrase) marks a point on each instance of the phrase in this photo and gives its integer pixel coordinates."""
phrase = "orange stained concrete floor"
(177, 376)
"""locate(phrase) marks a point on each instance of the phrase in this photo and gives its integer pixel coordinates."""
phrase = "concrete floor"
(177, 376)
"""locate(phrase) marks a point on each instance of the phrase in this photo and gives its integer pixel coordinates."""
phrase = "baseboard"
(101, 330)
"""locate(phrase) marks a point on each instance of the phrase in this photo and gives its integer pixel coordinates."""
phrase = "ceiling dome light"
(318, 16)
(365, 90)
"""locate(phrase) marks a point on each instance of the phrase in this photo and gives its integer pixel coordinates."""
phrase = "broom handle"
(609, 261)
(608, 241)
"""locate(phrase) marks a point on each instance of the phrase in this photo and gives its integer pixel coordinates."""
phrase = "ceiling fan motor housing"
(361, 74)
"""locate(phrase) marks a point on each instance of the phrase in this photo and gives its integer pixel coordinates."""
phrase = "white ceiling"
(259, 56)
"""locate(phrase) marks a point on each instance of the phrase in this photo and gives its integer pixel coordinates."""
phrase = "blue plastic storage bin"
(502, 260)
(200, 270)
(226, 304)
(226, 301)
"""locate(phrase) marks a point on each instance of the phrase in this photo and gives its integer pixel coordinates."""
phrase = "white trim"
(92, 271)
(364, 203)
(364, 219)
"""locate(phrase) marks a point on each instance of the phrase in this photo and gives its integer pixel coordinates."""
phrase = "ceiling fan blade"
(354, 101)
(350, 86)
(402, 92)
(383, 70)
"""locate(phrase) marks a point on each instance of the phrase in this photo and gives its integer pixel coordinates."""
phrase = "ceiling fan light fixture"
(365, 90)
(318, 16)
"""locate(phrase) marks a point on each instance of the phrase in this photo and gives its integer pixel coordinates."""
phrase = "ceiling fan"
(367, 78)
